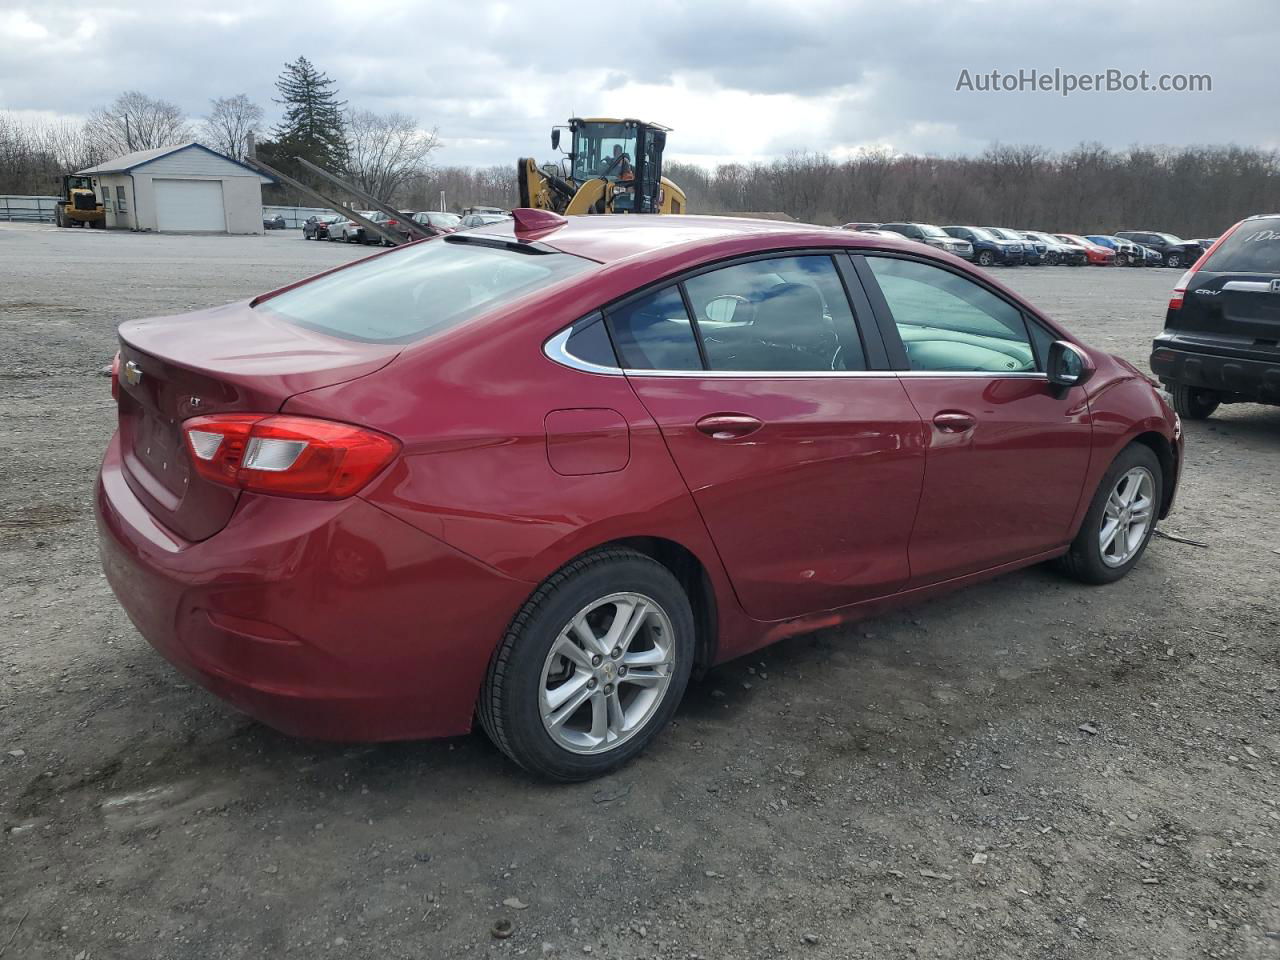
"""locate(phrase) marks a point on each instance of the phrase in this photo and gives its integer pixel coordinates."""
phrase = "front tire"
(1173, 259)
(1192, 403)
(986, 258)
(591, 668)
(1121, 519)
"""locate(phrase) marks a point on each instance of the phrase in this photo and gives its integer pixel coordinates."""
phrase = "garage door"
(194, 205)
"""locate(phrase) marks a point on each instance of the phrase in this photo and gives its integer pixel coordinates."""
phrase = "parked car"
(540, 471)
(480, 219)
(1033, 253)
(1057, 251)
(395, 224)
(317, 228)
(348, 231)
(276, 222)
(1205, 242)
(859, 226)
(1151, 258)
(438, 222)
(1221, 338)
(1098, 255)
(1127, 252)
(933, 236)
(1174, 252)
(497, 211)
(988, 249)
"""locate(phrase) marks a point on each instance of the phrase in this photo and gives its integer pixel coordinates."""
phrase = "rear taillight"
(1180, 290)
(291, 456)
(115, 376)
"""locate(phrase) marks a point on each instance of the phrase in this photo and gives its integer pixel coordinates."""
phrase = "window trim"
(893, 340)
(864, 320)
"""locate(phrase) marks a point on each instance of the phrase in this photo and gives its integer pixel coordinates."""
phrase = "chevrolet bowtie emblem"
(132, 374)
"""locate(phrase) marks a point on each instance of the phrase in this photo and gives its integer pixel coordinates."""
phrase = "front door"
(805, 464)
(1007, 450)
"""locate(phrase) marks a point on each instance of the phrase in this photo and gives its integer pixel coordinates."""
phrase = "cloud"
(737, 81)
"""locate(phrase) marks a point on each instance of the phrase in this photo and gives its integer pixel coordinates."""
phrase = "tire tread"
(490, 704)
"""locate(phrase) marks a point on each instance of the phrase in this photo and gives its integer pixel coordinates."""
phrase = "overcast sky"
(736, 80)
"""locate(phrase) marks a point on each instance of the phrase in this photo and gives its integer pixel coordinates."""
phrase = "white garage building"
(186, 188)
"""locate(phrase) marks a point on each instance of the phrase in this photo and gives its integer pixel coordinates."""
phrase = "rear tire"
(1192, 403)
(545, 651)
(1126, 504)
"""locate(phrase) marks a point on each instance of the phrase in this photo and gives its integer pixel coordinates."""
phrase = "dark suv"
(1174, 252)
(1221, 338)
(933, 236)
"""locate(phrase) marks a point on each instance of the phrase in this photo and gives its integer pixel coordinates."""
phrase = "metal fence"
(27, 209)
(294, 216)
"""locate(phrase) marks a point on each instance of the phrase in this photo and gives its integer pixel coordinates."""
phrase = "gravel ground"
(1030, 768)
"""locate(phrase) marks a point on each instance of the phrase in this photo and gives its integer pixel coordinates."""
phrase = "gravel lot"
(1031, 768)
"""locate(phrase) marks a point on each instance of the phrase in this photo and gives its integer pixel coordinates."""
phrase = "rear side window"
(783, 314)
(1254, 247)
(654, 333)
(423, 289)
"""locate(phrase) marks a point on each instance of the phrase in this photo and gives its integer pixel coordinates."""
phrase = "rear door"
(1234, 299)
(1007, 451)
(803, 453)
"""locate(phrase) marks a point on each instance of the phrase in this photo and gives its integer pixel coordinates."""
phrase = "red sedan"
(1099, 256)
(540, 471)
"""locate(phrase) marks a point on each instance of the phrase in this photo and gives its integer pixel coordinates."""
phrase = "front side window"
(784, 314)
(949, 323)
(603, 150)
(653, 332)
(418, 290)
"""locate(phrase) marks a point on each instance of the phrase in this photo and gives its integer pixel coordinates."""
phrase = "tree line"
(1191, 191)
(381, 153)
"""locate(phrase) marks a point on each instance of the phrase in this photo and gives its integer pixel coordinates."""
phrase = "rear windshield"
(423, 289)
(1253, 247)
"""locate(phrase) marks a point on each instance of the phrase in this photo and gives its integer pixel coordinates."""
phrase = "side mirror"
(1068, 365)
(555, 138)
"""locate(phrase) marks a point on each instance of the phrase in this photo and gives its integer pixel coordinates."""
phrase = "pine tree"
(312, 123)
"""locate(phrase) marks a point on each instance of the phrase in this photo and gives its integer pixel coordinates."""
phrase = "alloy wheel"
(606, 673)
(1127, 517)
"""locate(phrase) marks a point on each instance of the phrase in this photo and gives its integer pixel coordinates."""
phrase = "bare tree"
(386, 151)
(135, 121)
(229, 124)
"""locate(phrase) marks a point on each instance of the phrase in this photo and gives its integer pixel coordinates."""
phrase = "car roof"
(608, 239)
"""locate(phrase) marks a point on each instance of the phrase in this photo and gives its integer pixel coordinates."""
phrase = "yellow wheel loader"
(77, 204)
(613, 166)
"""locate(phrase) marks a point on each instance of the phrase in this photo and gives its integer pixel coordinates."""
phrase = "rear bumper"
(331, 620)
(1249, 378)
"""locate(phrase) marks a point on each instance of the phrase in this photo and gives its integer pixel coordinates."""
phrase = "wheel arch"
(693, 577)
(1168, 457)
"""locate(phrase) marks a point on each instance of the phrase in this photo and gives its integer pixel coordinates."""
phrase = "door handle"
(954, 421)
(728, 426)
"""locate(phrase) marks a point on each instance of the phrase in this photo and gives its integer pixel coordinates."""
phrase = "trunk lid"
(223, 360)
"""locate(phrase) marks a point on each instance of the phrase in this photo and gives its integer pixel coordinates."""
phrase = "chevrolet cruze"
(541, 471)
